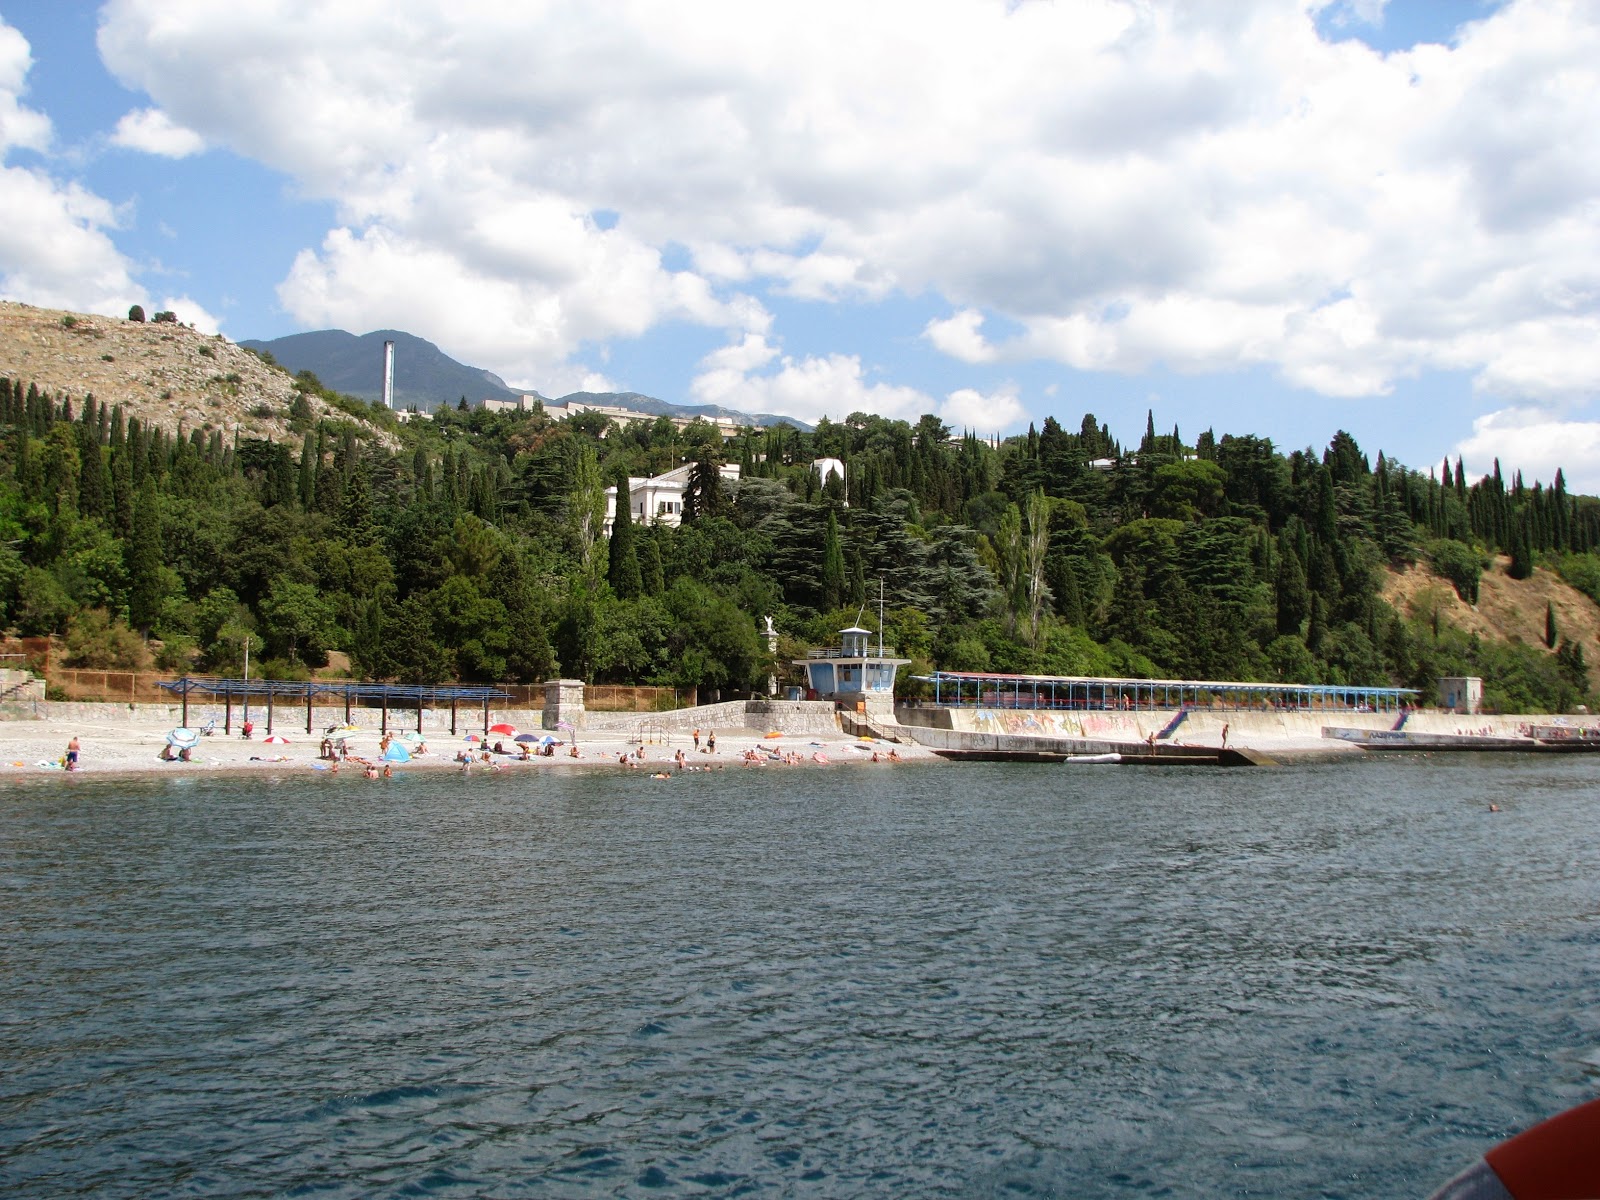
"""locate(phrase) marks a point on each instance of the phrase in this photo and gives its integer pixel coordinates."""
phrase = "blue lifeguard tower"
(854, 673)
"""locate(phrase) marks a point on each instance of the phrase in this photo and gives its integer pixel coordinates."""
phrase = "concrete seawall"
(1252, 735)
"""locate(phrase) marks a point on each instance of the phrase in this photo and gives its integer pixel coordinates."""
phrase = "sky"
(1274, 217)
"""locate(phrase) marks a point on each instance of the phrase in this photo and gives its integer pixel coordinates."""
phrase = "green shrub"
(1458, 563)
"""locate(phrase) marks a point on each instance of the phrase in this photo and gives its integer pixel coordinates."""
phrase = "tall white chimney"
(388, 375)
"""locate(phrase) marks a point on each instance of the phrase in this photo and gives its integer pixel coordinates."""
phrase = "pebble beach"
(38, 747)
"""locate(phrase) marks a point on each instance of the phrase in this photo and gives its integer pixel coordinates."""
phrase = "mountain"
(424, 375)
(428, 378)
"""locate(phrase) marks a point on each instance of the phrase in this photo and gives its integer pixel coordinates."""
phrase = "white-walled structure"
(659, 500)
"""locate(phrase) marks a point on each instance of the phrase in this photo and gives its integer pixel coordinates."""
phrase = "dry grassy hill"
(1508, 610)
(165, 374)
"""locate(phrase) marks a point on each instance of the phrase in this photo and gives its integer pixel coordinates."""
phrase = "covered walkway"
(970, 689)
(276, 693)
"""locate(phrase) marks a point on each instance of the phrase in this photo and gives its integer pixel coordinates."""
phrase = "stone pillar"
(563, 703)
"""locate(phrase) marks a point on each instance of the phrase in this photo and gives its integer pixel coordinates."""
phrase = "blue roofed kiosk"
(854, 673)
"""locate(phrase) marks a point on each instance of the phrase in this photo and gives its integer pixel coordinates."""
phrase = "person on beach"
(696, 736)
(572, 753)
(247, 730)
(72, 753)
(371, 771)
(1224, 735)
(388, 770)
(711, 742)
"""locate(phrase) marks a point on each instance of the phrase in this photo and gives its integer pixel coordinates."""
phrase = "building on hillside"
(659, 500)
(624, 417)
(1461, 693)
(520, 404)
(825, 467)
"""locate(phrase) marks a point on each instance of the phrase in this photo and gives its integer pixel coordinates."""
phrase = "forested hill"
(472, 547)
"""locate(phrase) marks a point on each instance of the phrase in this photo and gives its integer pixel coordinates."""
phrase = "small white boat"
(1090, 759)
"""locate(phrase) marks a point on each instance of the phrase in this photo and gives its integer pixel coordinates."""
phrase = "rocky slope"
(165, 374)
(1509, 610)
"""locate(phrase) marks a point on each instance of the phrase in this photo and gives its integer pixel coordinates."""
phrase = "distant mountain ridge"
(427, 378)
(424, 375)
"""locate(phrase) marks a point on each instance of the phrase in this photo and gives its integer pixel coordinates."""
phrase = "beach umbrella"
(183, 739)
(472, 737)
(397, 753)
(546, 738)
(411, 737)
(508, 730)
(276, 739)
(527, 737)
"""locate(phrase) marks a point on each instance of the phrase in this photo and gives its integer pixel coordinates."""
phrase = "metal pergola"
(330, 692)
(971, 689)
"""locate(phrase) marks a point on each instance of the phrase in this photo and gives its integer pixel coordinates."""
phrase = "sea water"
(975, 980)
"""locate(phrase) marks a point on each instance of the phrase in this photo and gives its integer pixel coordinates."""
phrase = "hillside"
(424, 375)
(165, 374)
(1508, 610)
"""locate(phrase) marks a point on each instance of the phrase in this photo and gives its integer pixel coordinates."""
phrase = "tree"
(145, 559)
(1038, 546)
(702, 494)
(299, 621)
(136, 313)
(832, 576)
(1293, 596)
(622, 570)
(1550, 634)
(586, 504)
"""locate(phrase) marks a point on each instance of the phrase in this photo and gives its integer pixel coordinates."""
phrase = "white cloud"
(1127, 182)
(190, 312)
(836, 385)
(56, 248)
(153, 131)
(983, 413)
(961, 336)
(19, 127)
(1537, 442)
(832, 386)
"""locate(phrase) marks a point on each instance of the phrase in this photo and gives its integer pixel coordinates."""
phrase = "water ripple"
(980, 981)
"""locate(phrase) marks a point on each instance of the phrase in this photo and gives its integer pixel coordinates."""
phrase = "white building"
(659, 500)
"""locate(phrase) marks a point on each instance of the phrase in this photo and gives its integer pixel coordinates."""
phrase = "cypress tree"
(650, 568)
(1294, 597)
(832, 566)
(145, 559)
(308, 474)
(622, 567)
(1550, 632)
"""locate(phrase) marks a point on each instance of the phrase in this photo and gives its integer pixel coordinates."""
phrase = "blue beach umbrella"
(183, 739)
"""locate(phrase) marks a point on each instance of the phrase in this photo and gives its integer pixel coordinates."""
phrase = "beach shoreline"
(132, 748)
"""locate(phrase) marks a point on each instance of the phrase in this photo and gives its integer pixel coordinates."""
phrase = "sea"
(975, 980)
